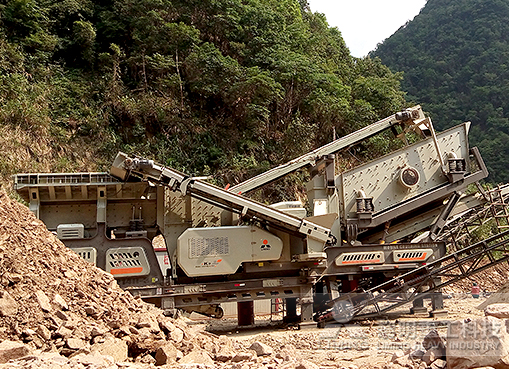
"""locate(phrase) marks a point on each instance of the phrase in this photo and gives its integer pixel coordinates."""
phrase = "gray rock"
(10, 350)
(59, 302)
(243, 356)
(43, 301)
(8, 306)
(261, 349)
(417, 354)
(44, 332)
(477, 343)
(433, 339)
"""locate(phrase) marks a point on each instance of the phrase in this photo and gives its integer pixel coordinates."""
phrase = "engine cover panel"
(221, 250)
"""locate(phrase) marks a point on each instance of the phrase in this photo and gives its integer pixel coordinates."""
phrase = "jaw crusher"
(368, 225)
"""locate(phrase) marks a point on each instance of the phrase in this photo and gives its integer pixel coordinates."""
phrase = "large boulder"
(167, 354)
(8, 306)
(114, 347)
(477, 343)
(11, 350)
(261, 349)
(500, 311)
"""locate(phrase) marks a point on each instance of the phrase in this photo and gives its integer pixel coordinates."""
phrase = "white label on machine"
(320, 207)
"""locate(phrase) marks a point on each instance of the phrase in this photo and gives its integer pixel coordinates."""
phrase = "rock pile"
(431, 355)
(470, 343)
(53, 301)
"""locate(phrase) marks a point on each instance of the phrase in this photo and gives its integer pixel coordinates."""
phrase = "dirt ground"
(363, 344)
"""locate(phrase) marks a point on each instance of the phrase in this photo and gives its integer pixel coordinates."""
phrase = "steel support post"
(306, 304)
(291, 310)
(245, 313)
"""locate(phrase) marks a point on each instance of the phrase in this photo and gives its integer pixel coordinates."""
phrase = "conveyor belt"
(147, 169)
(406, 288)
(411, 114)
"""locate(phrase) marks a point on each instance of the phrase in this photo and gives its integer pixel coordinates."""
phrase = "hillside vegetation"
(212, 87)
(454, 56)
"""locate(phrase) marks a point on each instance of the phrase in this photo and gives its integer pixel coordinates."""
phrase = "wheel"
(218, 313)
(343, 311)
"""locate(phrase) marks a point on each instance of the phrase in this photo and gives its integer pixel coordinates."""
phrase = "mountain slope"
(454, 56)
(217, 87)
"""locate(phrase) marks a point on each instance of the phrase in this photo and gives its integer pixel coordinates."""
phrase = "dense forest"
(226, 88)
(455, 59)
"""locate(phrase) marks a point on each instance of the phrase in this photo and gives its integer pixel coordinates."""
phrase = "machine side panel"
(221, 250)
(66, 213)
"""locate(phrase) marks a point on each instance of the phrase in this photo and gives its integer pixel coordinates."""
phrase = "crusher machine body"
(366, 225)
